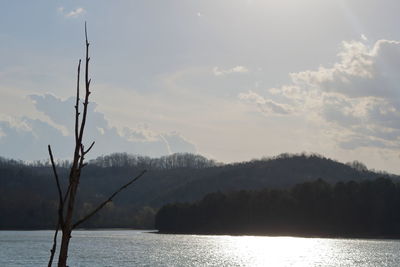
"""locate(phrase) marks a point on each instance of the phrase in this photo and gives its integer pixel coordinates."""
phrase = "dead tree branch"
(77, 163)
(60, 221)
(85, 218)
(67, 201)
(60, 195)
(77, 102)
(90, 147)
(53, 249)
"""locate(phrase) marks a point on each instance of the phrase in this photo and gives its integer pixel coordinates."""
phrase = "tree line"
(369, 208)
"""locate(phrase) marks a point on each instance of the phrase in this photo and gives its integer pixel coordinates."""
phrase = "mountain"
(28, 193)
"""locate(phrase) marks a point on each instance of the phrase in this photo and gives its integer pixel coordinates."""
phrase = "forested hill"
(28, 192)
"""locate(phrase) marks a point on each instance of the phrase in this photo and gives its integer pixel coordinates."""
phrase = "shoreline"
(82, 229)
(155, 231)
(322, 236)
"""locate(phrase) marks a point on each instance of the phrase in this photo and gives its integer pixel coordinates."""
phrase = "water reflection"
(276, 251)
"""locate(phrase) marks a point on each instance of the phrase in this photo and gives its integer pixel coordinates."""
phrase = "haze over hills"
(28, 194)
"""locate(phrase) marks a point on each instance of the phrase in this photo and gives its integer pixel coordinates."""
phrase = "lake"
(139, 248)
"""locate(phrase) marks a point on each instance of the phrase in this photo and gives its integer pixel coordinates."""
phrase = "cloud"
(73, 13)
(363, 37)
(266, 106)
(27, 138)
(358, 97)
(177, 143)
(238, 69)
(361, 72)
(363, 86)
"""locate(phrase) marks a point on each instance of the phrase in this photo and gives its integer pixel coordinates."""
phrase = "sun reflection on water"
(275, 251)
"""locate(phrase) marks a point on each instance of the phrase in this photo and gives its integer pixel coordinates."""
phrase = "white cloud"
(27, 138)
(267, 106)
(358, 97)
(238, 69)
(76, 12)
(363, 37)
(362, 71)
(73, 13)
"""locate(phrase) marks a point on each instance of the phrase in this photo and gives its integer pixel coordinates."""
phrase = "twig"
(60, 195)
(87, 93)
(90, 147)
(108, 200)
(60, 208)
(53, 249)
(77, 102)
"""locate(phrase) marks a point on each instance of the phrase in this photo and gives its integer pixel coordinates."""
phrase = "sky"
(232, 80)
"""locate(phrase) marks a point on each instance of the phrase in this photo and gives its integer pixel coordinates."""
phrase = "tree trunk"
(68, 226)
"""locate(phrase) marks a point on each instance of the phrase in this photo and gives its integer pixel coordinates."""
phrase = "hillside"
(28, 193)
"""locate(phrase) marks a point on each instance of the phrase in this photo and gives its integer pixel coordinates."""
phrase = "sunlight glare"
(274, 251)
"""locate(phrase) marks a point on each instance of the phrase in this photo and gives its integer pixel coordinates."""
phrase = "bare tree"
(66, 205)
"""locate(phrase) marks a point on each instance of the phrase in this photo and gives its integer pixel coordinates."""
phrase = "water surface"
(138, 248)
